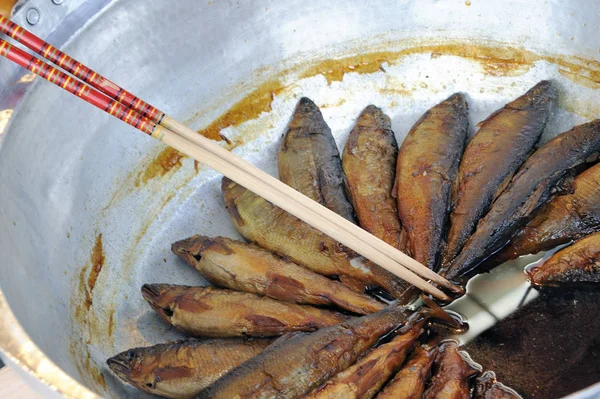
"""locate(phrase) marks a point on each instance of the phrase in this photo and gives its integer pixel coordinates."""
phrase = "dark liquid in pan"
(549, 348)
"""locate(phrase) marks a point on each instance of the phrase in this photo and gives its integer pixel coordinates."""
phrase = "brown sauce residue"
(97, 262)
(87, 284)
(111, 323)
(250, 107)
(167, 160)
(495, 60)
(334, 70)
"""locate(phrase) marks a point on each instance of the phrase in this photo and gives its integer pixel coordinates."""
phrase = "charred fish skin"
(309, 161)
(578, 264)
(291, 368)
(564, 219)
(451, 374)
(270, 227)
(369, 163)
(427, 167)
(486, 387)
(492, 157)
(366, 377)
(183, 369)
(531, 187)
(246, 267)
(410, 381)
(212, 312)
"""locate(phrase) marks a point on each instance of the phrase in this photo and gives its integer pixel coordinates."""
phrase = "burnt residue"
(548, 349)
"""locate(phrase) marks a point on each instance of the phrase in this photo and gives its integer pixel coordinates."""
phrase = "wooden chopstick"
(111, 98)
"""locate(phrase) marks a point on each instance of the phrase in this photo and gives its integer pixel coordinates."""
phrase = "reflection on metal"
(4, 119)
(18, 347)
(29, 77)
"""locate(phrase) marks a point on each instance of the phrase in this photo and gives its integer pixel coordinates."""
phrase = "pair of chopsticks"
(106, 95)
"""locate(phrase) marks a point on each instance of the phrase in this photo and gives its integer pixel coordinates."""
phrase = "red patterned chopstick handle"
(79, 70)
(79, 88)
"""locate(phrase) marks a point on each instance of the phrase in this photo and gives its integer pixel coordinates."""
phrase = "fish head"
(134, 367)
(163, 298)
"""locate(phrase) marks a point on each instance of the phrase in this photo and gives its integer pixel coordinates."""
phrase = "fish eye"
(130, 355)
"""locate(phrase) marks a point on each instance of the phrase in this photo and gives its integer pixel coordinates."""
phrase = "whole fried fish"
(578, 264)
(531, 187)
(366, 377)
(213, 312)
(245, 267)
(259, 221)
(427, 166)
(309, 161)
(369, 163)
(486, 387)
(292, 368)
(410, 381)
(184, 368)
(451, 374)
(565, 218)
(491, 158)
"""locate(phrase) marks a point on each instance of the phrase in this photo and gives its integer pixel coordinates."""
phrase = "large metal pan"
(89, 207)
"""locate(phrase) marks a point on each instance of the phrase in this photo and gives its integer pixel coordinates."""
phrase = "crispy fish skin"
(492, 157)
(451, 374)
(427, 167)
(410, 381)
(369, 163)
(565, 218)
(183, 369)
(486, 387)
(309, 161)
(245, 267)
(292, 368)
(366, 377)
(574, 265)
(212, 312)
(270, 227)
(531, 187)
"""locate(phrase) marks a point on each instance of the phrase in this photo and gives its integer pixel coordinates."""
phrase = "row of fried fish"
(431, 191)
(449, 203)
(334, 362)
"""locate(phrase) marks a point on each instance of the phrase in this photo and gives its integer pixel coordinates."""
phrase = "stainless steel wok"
(89, 207)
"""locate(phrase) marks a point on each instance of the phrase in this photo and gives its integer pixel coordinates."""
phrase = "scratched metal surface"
(70, 173)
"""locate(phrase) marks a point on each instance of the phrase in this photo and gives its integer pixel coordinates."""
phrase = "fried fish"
(531, 187)
(369, 163)
(292, 368)
(427, 166)
(451, 374)
(504, 140)
(309, 160)
(366, 377)
(245, 267)
(410, 381)
(578, 264)
(184, 368)
(565, 218)
(270, 227)
(213, 312)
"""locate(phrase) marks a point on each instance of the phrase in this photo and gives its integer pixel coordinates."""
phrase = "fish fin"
(433, 311)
